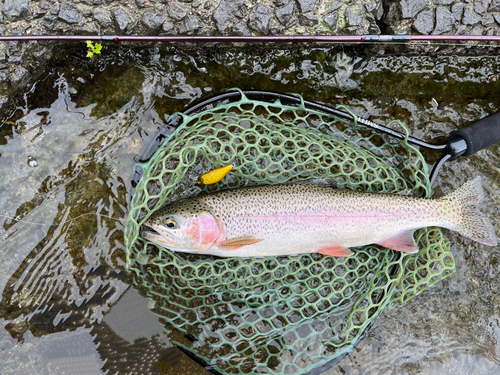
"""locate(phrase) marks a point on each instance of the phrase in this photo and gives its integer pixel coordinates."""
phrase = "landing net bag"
(277, 315)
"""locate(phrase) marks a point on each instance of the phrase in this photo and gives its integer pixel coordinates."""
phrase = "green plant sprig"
(93, 49)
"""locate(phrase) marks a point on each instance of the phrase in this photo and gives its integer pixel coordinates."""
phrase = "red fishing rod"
(257, 39)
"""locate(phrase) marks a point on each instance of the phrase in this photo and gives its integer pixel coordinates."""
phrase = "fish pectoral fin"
(335, 251)
(236, 243)
(403, 241)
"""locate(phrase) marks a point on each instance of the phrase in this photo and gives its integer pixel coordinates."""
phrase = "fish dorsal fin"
(403, 241)
(236, 243)
(335, 251)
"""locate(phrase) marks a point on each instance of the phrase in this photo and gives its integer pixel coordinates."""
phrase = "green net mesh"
(277, 315)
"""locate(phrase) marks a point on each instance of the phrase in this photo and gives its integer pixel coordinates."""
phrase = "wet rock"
(410, 8)
(14, 9)
(478, 30)
(487, 20)
(20, 77)
(354, 16)
(424, 22)
(376, 8)
(241, 28)
(494, 6)
(168, 27)
(480, 6)
(285, 14)
(177, 11)
(45, 54)
(68, 13)
(103, 17)
(153, 20)
(307, 20)
(121, 19)
(470, 17)
(259, 19)
(16, 60)
(457, 10)
(307, 5)
(225, 13)
(190, 25)
(331, 20)
(444, 20)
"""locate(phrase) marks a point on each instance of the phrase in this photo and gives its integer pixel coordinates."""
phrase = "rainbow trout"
(297, 218)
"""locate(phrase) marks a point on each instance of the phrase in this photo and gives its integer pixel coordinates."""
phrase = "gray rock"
(44, 5)
(376, 8)
(103, 17)
(49, 22)
(331, 20)
(470, 17)
(354, 18)
(487, 19)
(16, 60)
(20, 77)
(153, 20)
(140, 3)
(444, 2)
(494, 6)
(480, 6)
(497, 17)
(177, 11)
(15, 9)
(424, 22)
(87, 11)
(242, 12)
(196, 4)
(168, 27)
(54, 11)
(259, 19)
(334, 5)
(282, 3)
(477, 30)
(444, 20)
(190, 25)
(307, 5)
(68, 13)
(307, 20)
(285, 14)
(241, 28)
(457, 10)
(225, 13)
(45, 54)
(410, 8)
(2, 56)
(121, 19)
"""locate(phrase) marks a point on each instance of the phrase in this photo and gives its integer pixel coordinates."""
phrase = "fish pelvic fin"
(473, 224)
(335, 251)
(236, 243)
(403, 241)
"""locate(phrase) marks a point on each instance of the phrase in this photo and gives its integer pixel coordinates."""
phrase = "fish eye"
(170, 223)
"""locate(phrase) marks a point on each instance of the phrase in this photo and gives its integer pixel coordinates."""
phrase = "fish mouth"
(161, 238)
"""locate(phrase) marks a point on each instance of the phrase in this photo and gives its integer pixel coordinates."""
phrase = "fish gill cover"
(277, 315)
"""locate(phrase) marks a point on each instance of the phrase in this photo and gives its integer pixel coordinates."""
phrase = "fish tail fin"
(473, 224)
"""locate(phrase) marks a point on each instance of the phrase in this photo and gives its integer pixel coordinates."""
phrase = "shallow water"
(65, 305)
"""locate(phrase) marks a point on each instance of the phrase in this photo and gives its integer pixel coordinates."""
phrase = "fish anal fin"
(335, 251)
(236, 243)
(403, 241)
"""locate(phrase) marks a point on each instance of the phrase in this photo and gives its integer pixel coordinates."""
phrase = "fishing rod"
(255, 39)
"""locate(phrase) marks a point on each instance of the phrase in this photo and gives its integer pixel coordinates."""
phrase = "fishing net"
(277, 315)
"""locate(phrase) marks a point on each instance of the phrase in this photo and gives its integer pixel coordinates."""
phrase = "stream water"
(68, 146)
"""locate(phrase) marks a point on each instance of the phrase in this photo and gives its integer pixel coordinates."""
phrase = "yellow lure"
(214, 176)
